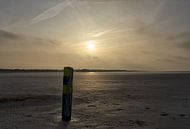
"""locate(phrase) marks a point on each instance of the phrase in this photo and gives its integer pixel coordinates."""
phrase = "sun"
(91, 45)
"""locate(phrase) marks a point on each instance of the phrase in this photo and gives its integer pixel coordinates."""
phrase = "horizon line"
(86, 70)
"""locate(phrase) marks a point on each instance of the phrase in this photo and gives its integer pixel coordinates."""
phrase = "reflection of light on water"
(86, 73)
(91, 73)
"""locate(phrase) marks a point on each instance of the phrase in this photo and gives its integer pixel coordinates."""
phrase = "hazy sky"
(126, 34)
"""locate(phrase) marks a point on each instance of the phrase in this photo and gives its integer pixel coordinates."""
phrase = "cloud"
(5, 35)
(182, 35)
(181, 39)
(185, 45)
(51, 12)
(167, 39)
(17, 42)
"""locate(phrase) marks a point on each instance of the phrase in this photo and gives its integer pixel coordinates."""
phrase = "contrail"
(103, 33)
(52, 12)
(107, 31)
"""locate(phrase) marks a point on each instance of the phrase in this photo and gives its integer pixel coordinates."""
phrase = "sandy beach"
(100, 101)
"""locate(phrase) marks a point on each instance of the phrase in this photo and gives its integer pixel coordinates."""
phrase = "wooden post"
(67, 94)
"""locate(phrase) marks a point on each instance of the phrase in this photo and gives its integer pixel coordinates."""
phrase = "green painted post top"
(68, 80)
(68, 71)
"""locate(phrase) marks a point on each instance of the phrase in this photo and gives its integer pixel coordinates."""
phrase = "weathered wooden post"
(67, 93)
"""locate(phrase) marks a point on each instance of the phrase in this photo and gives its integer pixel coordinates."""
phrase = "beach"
(111, 100)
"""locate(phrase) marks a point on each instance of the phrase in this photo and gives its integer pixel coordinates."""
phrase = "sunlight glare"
(91, 45)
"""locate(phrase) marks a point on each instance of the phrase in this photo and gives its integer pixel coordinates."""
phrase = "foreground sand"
(134, 101)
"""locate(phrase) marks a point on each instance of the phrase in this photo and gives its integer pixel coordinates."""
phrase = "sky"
(97, 34)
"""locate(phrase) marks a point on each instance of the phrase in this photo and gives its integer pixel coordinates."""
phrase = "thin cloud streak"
(52, 12)
(103, 32)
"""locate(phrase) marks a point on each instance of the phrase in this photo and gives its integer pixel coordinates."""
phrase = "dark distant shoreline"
(59, 70)
(81, 70)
